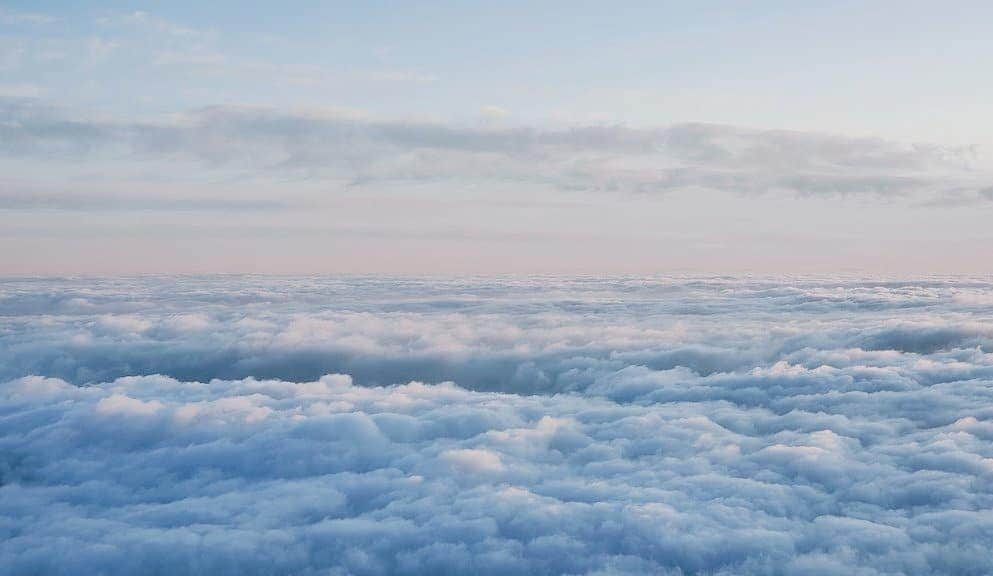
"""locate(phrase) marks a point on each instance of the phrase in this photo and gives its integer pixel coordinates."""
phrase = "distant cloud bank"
(355, 150)
(305, 425)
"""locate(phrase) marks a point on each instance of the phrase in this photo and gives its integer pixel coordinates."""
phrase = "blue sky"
(387, 114)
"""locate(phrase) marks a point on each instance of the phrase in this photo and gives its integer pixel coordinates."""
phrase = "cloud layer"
(356, 151)
(553, 426)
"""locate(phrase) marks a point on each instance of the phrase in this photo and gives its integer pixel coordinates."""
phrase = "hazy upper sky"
(499, 137)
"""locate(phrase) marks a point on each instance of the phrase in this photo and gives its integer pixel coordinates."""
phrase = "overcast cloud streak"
(358, 151)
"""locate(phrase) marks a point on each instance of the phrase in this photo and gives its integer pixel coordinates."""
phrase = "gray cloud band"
(360, 152)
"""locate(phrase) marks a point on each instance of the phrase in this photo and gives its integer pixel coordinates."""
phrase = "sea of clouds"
(315, 425)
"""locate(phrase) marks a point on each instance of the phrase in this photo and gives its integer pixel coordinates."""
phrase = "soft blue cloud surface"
(313, 425)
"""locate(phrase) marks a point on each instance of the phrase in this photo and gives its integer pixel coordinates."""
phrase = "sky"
(516, 137)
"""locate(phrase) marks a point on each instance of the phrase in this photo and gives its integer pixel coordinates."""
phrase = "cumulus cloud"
(356, 150)
(510, 337)
(551, 426)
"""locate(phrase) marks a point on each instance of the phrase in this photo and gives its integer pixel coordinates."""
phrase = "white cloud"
(33, 18)
(99, 49)
(472, 460)
(124, 405)
(20, 90)
(639, 425)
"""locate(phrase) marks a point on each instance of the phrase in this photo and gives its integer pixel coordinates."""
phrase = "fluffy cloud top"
(668, 426)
